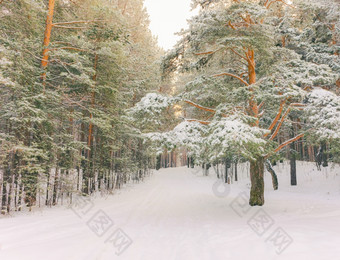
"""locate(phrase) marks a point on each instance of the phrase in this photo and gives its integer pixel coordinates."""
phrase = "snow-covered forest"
(69, 71)
(112, 147)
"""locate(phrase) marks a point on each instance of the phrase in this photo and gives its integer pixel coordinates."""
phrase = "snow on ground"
(176, 215)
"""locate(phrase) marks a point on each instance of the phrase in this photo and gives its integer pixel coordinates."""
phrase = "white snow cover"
(221, 135)
(233, 134)
(175, 215)
(148, 110)
(152, 102)
(186, 134)
(323, 108)
(4, 63)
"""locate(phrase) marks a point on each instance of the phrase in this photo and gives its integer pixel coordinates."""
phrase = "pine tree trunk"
(324, 154)
(236, 178)
(11, 199)
(159, 162)
(22, 197)
(47, 36)
(19, 194)
(7, 198)
(257, 182)
(226, 172)
(293, 180)
(55, 187)
(192, 162)
(273, 174)
(48, 188)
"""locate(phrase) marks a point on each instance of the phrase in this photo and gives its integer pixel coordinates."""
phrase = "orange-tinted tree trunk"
(256, 166)
(47, 37)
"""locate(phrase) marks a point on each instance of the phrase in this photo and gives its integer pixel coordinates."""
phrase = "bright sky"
(168, 17)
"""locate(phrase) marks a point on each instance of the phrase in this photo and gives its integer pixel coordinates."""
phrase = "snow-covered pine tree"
(50, 98)
(242, 83)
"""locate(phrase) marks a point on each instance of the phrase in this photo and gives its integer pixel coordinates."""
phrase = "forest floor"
(179, 214)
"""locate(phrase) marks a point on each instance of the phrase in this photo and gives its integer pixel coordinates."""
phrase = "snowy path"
(175, 215)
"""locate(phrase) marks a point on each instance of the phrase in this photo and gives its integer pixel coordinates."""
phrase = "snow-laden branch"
(77, 22)
(323, 112)
(69, 27)
(238, 54)
(199, 121)
(269, 3)
(276, 118)
(68, 48)
(231, 75)
(280, 124)
(199, 106)
(208, 52)
(289, 142)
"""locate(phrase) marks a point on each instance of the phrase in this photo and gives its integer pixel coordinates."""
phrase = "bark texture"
(257, 182)
(273, 174)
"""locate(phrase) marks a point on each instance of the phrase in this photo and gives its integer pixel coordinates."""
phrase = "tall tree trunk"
(7, 197)
(273, 174)
(257, 182)
(226, 171)
(324, 154)
(236, 177)
(292, 158)
(47, 37)
(293, 180)
(48, 189)
(192, 162)
(217, 170)
(10, 187)
(55, 187)
(19, 194)
(159, 162)
(253, 107)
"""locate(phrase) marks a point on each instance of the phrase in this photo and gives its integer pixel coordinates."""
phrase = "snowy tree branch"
(289, 142)
(208, 52)
(69, 27)
(199, 121)
(280, 124)
(199, 106)
(77, 22)
(232, 75)
(269, 3)
(238, 54)
(261, 105)
(68, 48)
(276, 118)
